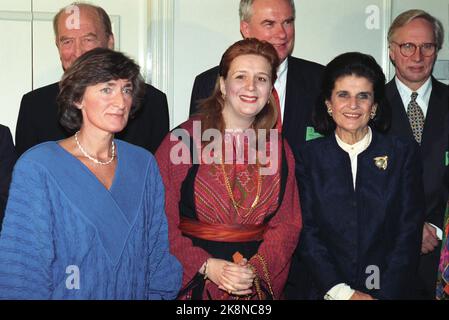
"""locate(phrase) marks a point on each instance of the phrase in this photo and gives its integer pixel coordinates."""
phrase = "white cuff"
(340, 291)
(439, 232)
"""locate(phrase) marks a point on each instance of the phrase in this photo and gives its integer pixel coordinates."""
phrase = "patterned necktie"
(278, 107)
(416, 117)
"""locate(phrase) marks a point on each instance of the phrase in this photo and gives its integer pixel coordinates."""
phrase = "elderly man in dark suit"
(297, 81)
(420, 110)
(38, 115)
(7, 160)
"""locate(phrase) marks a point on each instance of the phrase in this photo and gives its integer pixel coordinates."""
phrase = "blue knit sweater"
(65, 236)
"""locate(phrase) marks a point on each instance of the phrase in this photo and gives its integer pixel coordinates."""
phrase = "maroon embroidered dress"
(203, 221)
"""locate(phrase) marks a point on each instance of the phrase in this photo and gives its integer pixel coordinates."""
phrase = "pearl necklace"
(92, 158)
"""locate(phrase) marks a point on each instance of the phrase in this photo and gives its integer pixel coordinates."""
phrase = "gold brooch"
(381, 162)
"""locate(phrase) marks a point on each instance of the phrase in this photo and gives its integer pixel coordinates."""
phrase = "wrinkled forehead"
(78, 18)
(264, 9)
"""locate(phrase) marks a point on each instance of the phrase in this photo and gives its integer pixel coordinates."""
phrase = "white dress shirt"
(354, 150)
(281, 85)
(423, 94)
(342, 291)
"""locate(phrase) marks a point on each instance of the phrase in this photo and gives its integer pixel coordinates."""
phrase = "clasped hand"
(236, 279)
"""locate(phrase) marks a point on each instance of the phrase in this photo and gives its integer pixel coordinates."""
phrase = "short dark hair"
(359, 65)
(95, 66)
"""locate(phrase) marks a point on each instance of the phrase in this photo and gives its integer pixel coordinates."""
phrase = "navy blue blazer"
(379, 223)
(7, 160)
(38, 120)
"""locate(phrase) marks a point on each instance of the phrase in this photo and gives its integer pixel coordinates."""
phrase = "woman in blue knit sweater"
(85, 217)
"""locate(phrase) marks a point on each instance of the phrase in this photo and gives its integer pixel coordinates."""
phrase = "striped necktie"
(416, 117)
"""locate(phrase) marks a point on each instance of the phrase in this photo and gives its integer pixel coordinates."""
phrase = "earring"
(373, 113)
(329, 111)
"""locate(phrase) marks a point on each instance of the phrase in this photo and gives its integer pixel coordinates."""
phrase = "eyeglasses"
(408, 49)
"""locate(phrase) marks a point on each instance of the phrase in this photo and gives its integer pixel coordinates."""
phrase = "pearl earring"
(373, 113)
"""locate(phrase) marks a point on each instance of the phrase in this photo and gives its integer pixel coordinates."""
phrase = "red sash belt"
(222, 232)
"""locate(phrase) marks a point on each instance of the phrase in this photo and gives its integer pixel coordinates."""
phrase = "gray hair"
(102, 15)
(407, 16)
(246, 9)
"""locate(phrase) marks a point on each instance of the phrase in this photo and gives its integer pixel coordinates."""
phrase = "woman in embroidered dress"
(85, 217)
(233, 222)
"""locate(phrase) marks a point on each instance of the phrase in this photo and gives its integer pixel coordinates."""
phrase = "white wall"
(15, 57)
(203, 30)
(327, 28)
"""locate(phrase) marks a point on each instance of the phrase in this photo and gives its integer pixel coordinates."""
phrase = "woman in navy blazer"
(361, 191)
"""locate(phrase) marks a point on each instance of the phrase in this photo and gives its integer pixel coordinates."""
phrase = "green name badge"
(447, 158)
(311, 134)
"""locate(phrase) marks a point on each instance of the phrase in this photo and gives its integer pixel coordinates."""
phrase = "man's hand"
(429, 239)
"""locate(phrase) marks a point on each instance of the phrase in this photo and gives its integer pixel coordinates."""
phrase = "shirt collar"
(423, 93)
(281, 84)
(282, 68)
(358, 147)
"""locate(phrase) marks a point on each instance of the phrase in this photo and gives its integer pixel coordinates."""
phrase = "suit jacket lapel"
(435, 118)
(400, 124)
(297, 113)
(291, 98)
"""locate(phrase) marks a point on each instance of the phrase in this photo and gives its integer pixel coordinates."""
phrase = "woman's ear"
(372, 114)
(78, 105)
(222, 87)
(328, 107)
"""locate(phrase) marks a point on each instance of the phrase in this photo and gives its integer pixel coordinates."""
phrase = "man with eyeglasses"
(419, 105)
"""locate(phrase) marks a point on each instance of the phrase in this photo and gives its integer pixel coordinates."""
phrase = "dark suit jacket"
(433, 153)
(38, 120)
(303, 85)
(379, 223)
(7, 160)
